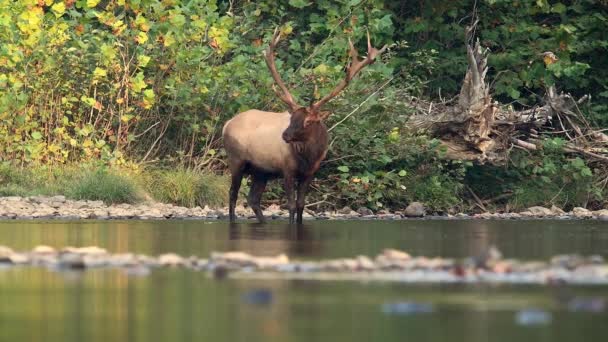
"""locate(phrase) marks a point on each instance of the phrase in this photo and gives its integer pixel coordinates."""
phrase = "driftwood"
(474, 127)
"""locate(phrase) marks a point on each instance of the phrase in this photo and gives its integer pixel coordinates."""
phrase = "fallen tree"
(475, 127)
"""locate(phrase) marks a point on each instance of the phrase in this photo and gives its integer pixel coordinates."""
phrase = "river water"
(181, 305)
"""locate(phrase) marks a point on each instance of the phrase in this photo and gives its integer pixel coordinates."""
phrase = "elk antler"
(269, 57)
(352, 70)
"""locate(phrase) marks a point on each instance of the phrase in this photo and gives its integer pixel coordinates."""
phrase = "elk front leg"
(291, 200)
(301, 201)
(255, 196)
(237, 177)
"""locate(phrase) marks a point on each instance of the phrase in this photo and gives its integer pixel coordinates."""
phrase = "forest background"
(124, 100)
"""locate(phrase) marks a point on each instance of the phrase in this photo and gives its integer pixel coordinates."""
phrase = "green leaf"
(402, 173)
(36, 135)
(343, 168)
(299, 3)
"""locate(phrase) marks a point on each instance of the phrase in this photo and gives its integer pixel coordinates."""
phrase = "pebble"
(58, 207)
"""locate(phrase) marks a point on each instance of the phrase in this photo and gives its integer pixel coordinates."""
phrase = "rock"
(581, 212)
(415, 209)
(540, 211)
(567, 261)
(363, 211)
(59, 199)
(365, 263)
(171, 259)
(346, 211)
(12, 199)
(19, 258)
(42, 249)
(395, 254)
(91, 250)
(73, 261)
(557, 210)
(5, 251)
(601, 214)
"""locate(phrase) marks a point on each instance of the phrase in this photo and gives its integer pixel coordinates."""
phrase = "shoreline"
(60, 208)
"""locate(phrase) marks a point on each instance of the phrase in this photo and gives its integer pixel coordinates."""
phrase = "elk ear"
(311, 118)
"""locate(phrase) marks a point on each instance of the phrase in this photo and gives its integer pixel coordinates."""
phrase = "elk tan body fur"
(254, 136)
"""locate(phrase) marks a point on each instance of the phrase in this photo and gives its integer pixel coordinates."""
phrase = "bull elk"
(291, 144)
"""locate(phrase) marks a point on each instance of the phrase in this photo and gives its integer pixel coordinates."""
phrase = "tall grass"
(187, 187)
(104, 185)
(76, 182)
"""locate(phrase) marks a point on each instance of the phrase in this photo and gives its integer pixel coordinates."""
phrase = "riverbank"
(58, 207)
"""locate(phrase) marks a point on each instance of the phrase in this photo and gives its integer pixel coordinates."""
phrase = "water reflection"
(176, 305)
(314, 239)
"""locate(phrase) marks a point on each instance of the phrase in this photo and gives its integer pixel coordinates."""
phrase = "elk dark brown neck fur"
(290, 145)
(311, 152)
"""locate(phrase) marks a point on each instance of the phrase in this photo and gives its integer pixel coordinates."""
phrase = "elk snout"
(287, 137)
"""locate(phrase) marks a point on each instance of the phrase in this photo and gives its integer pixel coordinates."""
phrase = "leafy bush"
(546, 177)
(188, 188)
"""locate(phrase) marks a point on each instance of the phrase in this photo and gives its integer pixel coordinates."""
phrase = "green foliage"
(103, 185)
(188, 188)
(116, 82)
(546, 177)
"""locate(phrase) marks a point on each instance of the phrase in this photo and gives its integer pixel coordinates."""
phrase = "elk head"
(304, 119)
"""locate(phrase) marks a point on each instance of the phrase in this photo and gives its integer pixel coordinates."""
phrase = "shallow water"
(180, 305)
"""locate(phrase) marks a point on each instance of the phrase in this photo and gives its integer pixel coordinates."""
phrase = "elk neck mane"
(311, 152)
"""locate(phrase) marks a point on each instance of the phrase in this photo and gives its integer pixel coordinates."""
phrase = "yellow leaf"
(92, 3)
(58, 9)
(141, 38)
(321, 69)
(169, 40)
(99, 73)
(143, 60)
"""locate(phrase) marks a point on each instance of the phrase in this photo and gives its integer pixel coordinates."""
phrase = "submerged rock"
(73, 261)
(258, 297)
(593, 305)
(407, 308)
(533, 317)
